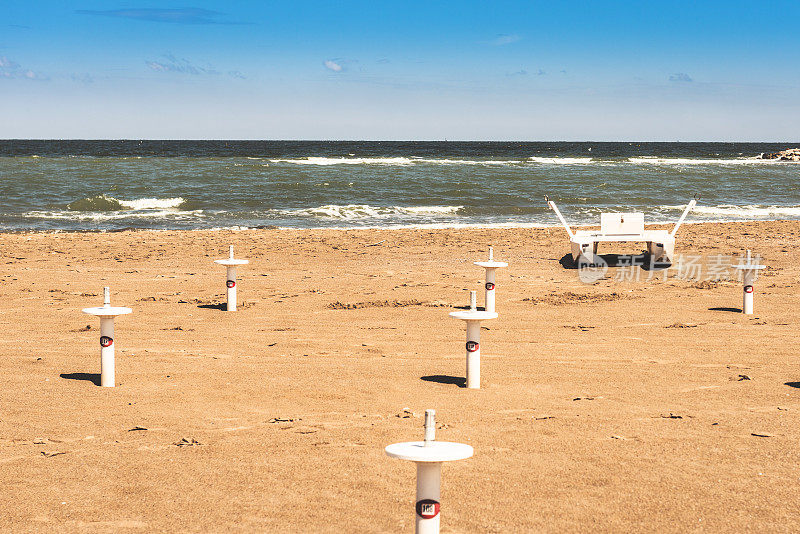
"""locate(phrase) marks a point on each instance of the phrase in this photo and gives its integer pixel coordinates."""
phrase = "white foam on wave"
(99, 216)
(395, 161)
(652, 160)
(345, 161)
(151, 203)
(562, 161)
(747, 211)
(363, 211)
(468, 161)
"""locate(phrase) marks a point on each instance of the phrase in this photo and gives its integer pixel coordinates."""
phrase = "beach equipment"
(230, 279)
(621, 227)
(107, 313)
(473, 318)
(429, 455)
(491, 266)
(749, 271)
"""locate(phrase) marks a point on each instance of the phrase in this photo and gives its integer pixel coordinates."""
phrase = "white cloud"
(170, 63)
(680, 77)
(332, 65)
(12, 69)
(504, 39)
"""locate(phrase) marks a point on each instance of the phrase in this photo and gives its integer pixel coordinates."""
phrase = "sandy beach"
(627, 405)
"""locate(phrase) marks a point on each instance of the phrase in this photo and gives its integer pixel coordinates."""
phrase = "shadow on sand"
(459, 381)
(220, 306)
(94, 378)
(641, 261)
(793, 384)
(726, 309)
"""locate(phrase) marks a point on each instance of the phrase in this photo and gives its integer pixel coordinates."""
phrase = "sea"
(102, 185)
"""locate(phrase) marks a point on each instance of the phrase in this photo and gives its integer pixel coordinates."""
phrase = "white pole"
(430, 426)
(747, 300)
(490, 288)
(231, 256)
(231, 284)
(491, 253)
(560, 217)
(107, 297)
(429, 480)
(748, 277)
(473, 300)
(107, 351)
(689, 206)
(474, 354)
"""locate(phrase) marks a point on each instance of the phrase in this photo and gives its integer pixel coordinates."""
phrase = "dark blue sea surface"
(110, 185)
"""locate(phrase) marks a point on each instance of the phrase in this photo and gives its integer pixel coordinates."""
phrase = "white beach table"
(620, 228)
(429, 456)
(107, 313)
(749, 269)
(230, 280)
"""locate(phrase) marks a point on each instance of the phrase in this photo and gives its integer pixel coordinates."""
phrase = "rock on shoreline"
(792, 154)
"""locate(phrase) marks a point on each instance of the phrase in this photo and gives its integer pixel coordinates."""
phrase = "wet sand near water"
(649, 405)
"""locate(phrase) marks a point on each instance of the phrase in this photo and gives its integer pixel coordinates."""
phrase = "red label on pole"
(106, 341)
(472, 346)
(230, 283)
(427, 508)
(748, 289)
(489, 286)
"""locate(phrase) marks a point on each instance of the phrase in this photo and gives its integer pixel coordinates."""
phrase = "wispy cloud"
(84, 78)
(186, 15)
(680, 77)
(333, 65)
(169, 63)
(523, 72)
(12, 69)
(504, 39)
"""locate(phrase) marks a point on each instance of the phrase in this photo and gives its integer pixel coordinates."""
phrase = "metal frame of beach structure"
(473, 318)
(749, 270)
(429, 455)
(230, 279)
(621, 227)
(107, 313)
(491, 266)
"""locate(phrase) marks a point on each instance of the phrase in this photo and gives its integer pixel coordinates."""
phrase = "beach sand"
(646, 405)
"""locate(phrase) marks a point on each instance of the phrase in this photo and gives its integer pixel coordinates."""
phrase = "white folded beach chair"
(621, 227)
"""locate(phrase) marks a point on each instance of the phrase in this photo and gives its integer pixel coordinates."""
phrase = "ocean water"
(112, 185)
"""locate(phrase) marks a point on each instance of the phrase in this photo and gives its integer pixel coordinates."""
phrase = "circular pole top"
(491, 264)
(433, 451)
(473, 315)
(107, 311)
(229, 261)
(748, 264)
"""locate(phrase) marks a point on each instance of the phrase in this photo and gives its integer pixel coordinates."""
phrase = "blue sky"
(400, 70)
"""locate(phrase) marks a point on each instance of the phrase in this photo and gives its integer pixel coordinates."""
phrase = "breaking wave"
(363, 211)
(742, 212)
(106, 203)
(651, 160)
(562, 161)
